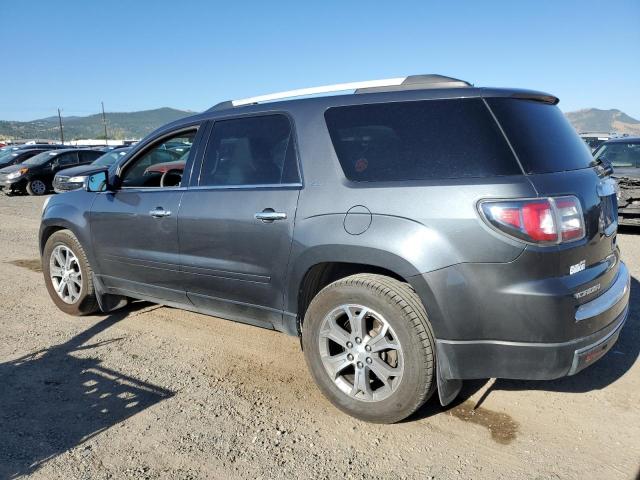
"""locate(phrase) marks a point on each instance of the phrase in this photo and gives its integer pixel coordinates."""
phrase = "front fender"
(69, 211)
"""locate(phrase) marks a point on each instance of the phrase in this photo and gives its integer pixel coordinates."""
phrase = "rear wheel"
(370, 347)
(68, 275)
(36, 187)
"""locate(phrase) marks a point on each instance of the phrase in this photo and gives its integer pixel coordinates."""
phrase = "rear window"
(541, 136)
(421, 140)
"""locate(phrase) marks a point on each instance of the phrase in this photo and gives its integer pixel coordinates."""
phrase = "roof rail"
(412, 82)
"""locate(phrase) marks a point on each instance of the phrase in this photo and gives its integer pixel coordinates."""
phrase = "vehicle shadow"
(619, 360)
(52, 400)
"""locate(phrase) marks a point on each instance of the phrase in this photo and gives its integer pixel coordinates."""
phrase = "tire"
(85, 303)
(412, 365)
(36, 187)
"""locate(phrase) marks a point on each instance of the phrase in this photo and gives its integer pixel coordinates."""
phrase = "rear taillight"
(543, 221)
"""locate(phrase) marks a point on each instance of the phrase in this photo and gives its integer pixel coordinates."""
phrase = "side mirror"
(97, 182)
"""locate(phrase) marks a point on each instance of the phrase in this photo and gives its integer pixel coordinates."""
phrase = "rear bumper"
(525, 361)
(601, 320)
(472, 359)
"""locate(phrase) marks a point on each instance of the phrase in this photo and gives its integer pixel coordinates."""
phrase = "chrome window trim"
(247, 187)
(147, 189)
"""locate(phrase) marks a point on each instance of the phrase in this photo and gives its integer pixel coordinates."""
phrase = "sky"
(188, 54)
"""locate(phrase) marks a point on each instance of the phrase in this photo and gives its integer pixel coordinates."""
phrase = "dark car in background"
(14, 154)
(73, 178)
(35, 175)
(623, 155)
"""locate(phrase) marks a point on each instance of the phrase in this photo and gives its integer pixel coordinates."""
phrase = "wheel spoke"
(60, 287)
(383, 370)
(336, 333)
(357, 322)
(69, 258)
(381, 342)
(75, 278)
(59, 258)
(73, 290)
(55, 271)
(336, 364)
(361, 383)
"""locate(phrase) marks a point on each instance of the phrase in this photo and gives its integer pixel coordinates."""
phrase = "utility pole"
(104, 122)
(60, 122)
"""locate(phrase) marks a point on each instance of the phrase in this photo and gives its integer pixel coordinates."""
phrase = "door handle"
(159, 212)
(268, 215)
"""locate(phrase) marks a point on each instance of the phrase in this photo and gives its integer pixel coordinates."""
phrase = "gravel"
(154, 392)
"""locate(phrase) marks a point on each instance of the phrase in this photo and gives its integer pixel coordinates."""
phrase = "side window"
(67, 159)
(161, 164)
(421, 140)
(250, 151)
(89, 156)
(27, 155)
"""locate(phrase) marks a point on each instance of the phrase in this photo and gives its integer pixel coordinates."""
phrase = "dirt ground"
(154, 392)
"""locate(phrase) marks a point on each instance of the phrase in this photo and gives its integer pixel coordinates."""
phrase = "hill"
(595, 120)
(119, 125)
(137, 124)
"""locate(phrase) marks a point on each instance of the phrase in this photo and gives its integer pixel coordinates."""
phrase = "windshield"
(110, 158)
(619, 154)
(7, 154)
(541, 136)
(40, 159)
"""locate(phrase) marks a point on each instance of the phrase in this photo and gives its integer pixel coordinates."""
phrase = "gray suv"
(414, 233)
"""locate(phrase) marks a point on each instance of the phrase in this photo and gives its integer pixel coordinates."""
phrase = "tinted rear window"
(540, 134)
(422, 140)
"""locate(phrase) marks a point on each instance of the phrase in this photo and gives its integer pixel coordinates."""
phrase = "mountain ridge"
(120, 125)
(137, 124)
(598, 120)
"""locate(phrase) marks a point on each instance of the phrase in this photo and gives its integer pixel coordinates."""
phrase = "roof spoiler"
(537, 97)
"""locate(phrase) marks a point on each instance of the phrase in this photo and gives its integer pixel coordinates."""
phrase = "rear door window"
(250, 151)
(419, 140)
(541, 136)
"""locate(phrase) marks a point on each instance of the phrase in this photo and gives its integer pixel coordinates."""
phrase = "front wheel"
(68, 275)
(370, 347)
(36, 187)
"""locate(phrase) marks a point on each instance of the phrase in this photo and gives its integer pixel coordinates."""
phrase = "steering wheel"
(171, 178)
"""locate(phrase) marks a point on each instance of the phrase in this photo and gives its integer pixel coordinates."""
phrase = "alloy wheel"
(361, 353)
(38, 187)
(65, 274)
